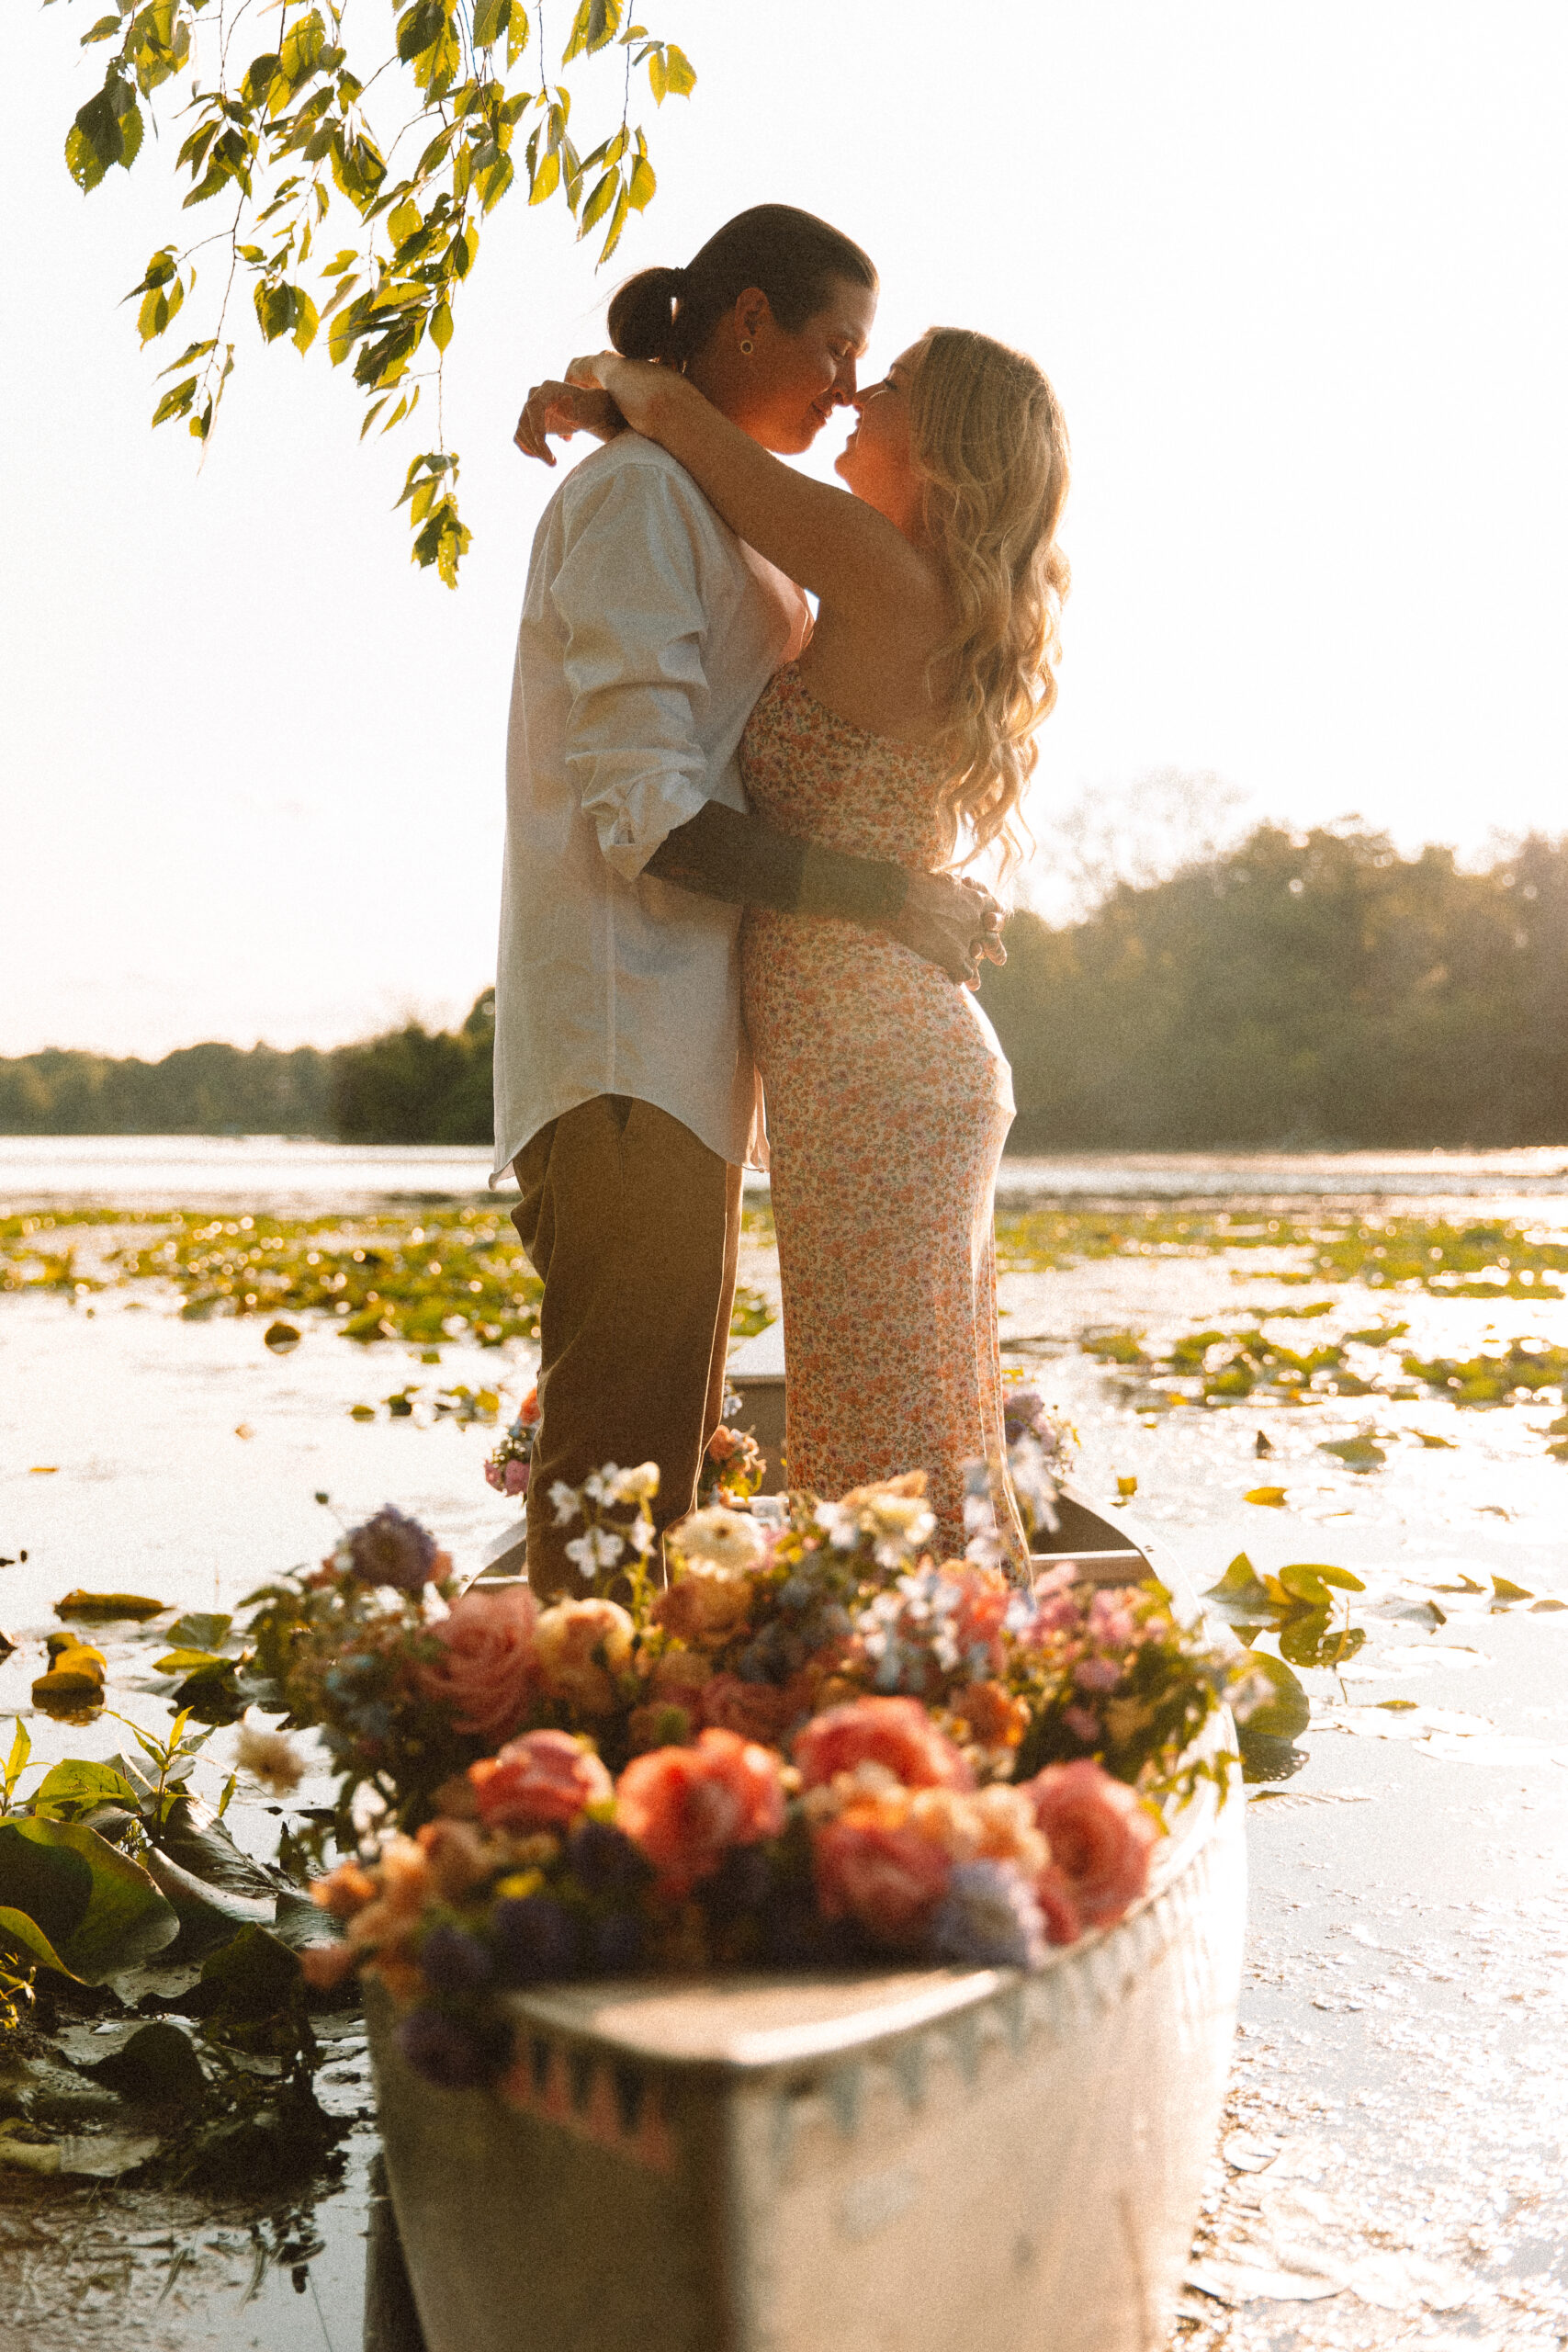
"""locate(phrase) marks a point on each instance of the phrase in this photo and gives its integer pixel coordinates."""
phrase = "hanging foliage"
(276, 144)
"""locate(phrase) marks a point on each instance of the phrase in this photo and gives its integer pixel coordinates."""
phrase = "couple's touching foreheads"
(732, 890)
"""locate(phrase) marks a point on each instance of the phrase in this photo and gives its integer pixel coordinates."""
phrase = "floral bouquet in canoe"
(815, 1745)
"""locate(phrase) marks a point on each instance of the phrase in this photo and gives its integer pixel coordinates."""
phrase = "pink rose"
(684, 1807)
(895, 1732)
(581, 1647)
(890, 1878)
(540, 1782)
(486, 1671)
(517, 1477)
(1063, 1919)
(1100, 1836)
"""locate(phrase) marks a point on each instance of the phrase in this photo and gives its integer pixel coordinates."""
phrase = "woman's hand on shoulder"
(559, 409)
(638, 388)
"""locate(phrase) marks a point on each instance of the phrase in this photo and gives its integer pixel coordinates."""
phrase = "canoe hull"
(920, 2161)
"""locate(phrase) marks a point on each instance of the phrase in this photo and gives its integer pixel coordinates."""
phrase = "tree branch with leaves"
(286, 143)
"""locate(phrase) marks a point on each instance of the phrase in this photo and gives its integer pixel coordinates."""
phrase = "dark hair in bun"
(794, 258)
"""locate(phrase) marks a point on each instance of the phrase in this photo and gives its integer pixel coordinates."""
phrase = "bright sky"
(1298, 275)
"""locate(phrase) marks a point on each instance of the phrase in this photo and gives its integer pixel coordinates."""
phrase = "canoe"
(909, 2160)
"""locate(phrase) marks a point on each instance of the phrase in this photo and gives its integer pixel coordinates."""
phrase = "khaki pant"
(633, 1227)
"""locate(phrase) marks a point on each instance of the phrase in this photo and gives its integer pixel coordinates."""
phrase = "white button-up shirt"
(649, 632)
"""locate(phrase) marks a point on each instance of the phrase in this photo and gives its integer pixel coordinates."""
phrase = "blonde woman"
(904, 731)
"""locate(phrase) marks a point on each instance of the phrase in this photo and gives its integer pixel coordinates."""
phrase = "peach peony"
(581, 1647)
(486, 1670)
(1063, 1920)
(1100, 1834)
(679, 1675)
(895, 1732)
(458, 1857)
(542, 1781)
(756, 1710)
(888, 1877)
(708, 1602)
(325, 1966)
(985, 1599)
(992, 1714)
(685, 1806)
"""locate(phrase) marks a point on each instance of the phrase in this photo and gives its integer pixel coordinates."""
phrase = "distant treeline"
(1305, 991)
(1300, 990)
(410, 1086)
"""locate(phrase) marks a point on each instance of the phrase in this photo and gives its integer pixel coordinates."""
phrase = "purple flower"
(448, 2053)
(603, 1860)
(392, 1549)
(537, 1938)
(617, 1943)
(988, 1919)
(454, 1961)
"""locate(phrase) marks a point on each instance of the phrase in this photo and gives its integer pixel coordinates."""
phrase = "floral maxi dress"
(889, 1102)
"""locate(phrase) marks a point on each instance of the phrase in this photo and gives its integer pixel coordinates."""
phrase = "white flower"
(598, 1549)
(731, 1539)
(639, 1485)
(641, 1537)
(841, 1527)
(597, 1484)
(270, 1757)
(565, 1502)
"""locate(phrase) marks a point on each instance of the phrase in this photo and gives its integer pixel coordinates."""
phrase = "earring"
(747, 346)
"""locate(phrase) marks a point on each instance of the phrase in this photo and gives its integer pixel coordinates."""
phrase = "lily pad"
(1355, 1453)
(99, 1910)
(103, 1608)
(199, 1629)
(158, 2065)
(1284, 1711)
(1271, 1498)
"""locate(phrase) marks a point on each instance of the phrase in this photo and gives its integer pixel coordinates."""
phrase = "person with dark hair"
(628, 1104)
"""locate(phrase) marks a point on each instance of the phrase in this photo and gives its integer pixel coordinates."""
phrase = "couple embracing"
(731, 831)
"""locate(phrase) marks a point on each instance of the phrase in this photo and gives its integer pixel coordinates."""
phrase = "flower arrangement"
(814, 1745)
(508, 1468)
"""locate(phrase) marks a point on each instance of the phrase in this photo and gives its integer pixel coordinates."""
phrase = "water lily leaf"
(1304, 1583)
(253, 1977)
(103, 1607)
(78, 1782)
(1312, 1639)
(21, 1934)
(1505, 1590)
(1271, 1497)
(100, 1910)
(199, 1630)
(213, 1884)
(1343, 1578)
(158, 2063)
(1355, 1453)
(1239, 1596)
(1283, 1711)
(189, 1661)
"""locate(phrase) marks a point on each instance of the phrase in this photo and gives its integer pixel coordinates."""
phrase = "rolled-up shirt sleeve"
(627, 595)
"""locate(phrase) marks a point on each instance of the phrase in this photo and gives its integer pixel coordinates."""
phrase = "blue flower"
(453, 1962)
(988, 1919)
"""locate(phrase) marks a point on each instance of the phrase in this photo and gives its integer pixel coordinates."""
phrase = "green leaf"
(1340, 1577)
(404, 222)
(599, 203)
(491, 19)
(306, 321)
(1305, 1584)
(18, 1933)
(199, 1629)
(643, 184)
(100, 1910)
(104, 29)
(302, 47)
(546, 179)
(1283, 1712)
(78, 1782)
(22, 1749)
(441, 325)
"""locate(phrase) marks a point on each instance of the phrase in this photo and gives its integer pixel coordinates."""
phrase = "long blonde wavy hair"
(988, 439)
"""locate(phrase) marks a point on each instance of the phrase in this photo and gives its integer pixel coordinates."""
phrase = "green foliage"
(98, 1910)
(413, 1087)
(1526, 1367)
(284, 142)
(1298, 990)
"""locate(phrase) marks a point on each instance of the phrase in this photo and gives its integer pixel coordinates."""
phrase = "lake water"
(1403, 2045)
(281, 1171)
